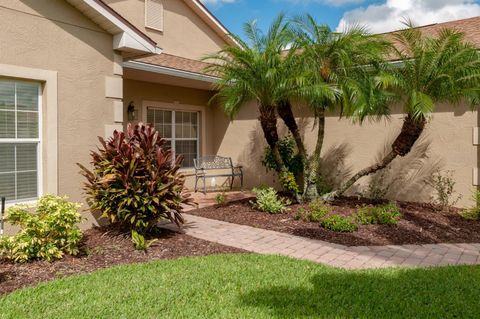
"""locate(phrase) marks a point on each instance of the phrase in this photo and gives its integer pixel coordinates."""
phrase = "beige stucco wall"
(447, 145)
(51, 35)
(184, 33)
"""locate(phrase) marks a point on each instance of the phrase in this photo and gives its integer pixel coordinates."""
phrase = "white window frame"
(37, 141)
(173, 140)
(162, 17)
(201, 147)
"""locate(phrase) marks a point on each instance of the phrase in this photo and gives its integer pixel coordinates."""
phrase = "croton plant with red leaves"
(135, 182)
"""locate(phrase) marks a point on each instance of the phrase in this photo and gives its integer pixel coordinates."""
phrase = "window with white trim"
(180, 129)
(154, 14)
(19, 140)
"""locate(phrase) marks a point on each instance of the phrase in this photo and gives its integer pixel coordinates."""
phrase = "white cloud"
(389, 15)
(214, 2)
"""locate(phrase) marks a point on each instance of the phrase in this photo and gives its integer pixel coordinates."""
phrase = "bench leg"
(241, 182)
(231, 182)
(196, 182)
(205, 185)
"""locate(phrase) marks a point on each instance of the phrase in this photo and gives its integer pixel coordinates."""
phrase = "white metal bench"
(216, 163)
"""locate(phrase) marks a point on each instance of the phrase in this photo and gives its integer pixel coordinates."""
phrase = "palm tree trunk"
(311, 191)
(285, 112)
(403, 144)
(268, 121)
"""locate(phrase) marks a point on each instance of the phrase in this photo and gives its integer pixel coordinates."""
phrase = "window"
(19, 140)
(154, 14)
(180, 129)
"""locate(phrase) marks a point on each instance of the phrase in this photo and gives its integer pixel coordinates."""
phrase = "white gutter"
(169, 71)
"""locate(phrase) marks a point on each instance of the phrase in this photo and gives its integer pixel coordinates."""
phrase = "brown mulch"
(102, 248)
(420, 224)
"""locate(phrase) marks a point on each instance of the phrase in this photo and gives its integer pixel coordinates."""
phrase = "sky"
(377, 15)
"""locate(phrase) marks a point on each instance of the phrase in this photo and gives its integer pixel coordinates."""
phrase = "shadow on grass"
(393, 293)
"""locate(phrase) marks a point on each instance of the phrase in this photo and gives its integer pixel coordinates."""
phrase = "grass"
(251, 286)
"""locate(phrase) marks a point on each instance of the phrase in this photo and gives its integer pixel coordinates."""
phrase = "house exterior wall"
(447, 144)
(184, 33)
(144, 94)
(51, 35)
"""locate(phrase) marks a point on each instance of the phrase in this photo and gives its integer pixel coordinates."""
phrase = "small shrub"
(339, 223)
(444, 186)
(301, 212)
(47, 234)
(288, 182)
(220, 198)
(135, 182)
(387, 214)
(140, 243)
(474, 212)
(317, 209)
(376, 188)
(268, 201)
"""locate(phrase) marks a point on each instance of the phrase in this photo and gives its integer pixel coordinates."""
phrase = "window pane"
(7, 186)
(27, 96)
(188, 149)
(7, 95)
(26, 157)
(7, 124)
(7, 158)
(167, 116)
(27, 125)
(27, 185)
(151, 116)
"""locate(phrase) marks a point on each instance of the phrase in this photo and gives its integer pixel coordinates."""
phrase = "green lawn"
(251, 286)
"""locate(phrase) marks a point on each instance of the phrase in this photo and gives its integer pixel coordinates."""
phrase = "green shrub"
(140, 243)
(387, 214)
(339, 223)
(301, 212)
(317, 210)
(268, 201)
(220, 198)
(287, 150)
(474, 212)
(444, 186)
(135, 182)
(47, 234)
(288, 182)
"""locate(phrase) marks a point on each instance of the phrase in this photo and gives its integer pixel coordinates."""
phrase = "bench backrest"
(213, 162)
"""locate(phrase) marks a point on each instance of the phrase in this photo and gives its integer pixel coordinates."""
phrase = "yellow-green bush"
(46, 234)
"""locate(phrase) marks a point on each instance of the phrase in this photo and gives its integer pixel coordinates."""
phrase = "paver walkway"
(359, 257)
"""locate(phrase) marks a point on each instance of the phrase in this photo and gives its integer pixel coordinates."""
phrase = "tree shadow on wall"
(407, 178)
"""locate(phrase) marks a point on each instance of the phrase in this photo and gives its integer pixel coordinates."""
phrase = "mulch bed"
(420, 224)
(102, 248)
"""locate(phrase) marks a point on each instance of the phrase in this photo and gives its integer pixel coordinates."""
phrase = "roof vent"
(154, 14)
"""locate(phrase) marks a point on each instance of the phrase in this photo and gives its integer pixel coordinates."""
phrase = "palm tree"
(428, 70)
(261, 69)
(346, 61)
(250, 71)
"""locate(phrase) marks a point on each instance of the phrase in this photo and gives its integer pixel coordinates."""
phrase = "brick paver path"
(359, 257)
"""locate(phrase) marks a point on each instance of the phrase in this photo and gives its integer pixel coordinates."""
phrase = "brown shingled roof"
(470, 27)
(176, 62)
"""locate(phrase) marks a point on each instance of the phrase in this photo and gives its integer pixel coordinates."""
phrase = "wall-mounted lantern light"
(131, 112)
